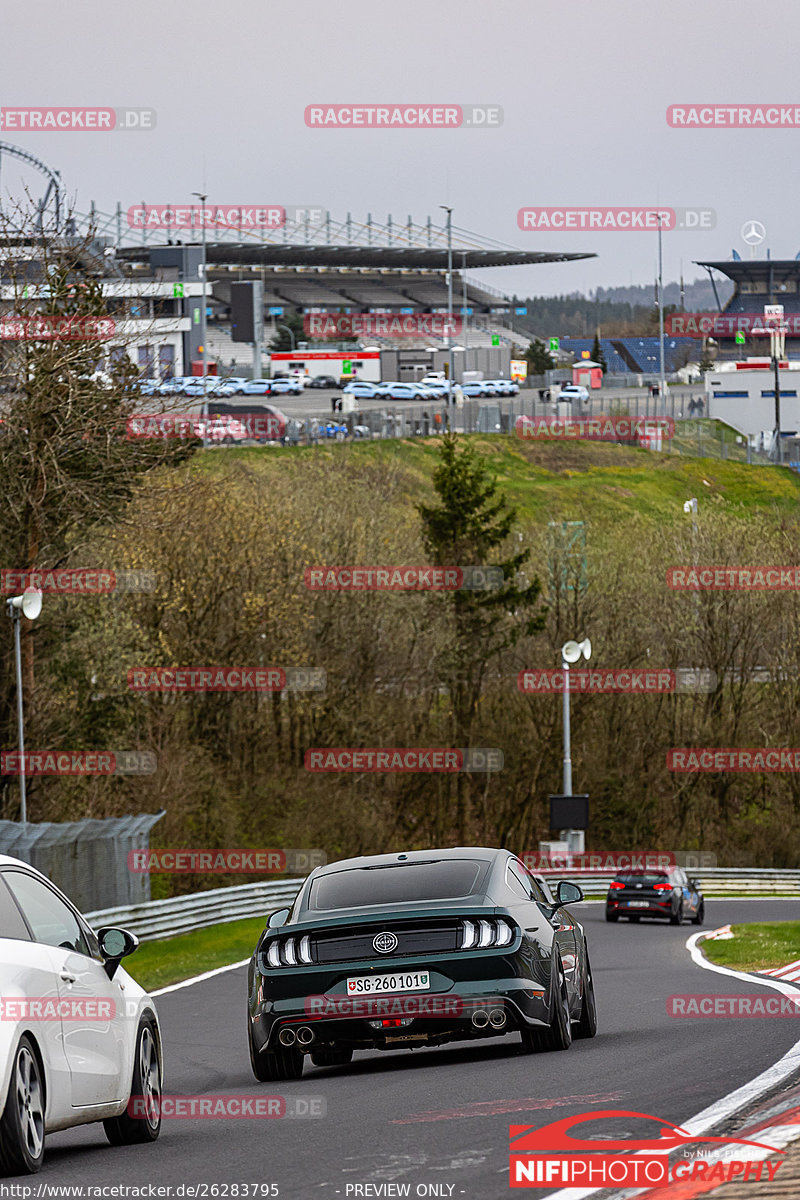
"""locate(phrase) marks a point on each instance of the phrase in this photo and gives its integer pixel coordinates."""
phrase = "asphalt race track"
(440, 1116)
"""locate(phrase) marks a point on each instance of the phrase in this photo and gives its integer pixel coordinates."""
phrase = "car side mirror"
(568, 893)
(695, 883)
(278, 918)
(115, 944)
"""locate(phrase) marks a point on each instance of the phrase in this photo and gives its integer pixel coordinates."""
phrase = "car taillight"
(289, 952)
(612, 887)
(485, 933)
(662, 887)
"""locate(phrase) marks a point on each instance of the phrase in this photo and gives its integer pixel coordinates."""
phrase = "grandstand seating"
(641, 351)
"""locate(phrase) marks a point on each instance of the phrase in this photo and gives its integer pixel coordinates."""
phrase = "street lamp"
(290, 333)
(449, 212)
(29, 603)
(202, 197)
(571, 653)
(663, 382)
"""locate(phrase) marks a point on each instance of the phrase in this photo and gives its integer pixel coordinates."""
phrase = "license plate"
(400, 981)
(638, 904)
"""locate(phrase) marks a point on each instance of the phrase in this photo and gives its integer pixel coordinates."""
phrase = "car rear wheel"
(558, 1034)
(22, 1125)
(700, 915)
(331, 1056)
(635, 918)
(612, 916)
(677, 917)
(587, 1022)
(274, 1066)
(145, 1126)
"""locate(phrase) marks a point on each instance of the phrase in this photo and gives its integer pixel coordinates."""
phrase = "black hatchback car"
(667, 893)
(405, 950)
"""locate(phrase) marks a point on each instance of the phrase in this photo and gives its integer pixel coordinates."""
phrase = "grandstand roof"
(430, 258)
(755, 268)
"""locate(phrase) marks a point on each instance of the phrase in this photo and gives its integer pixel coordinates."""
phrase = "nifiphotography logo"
(628, 1162)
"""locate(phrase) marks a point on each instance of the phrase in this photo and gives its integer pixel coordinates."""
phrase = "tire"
(677, 917)
(558, 1034)
(332, 1056)
(22, 1124)
(274, 1066)
(586, 1026)
(612, 916)
(700, 916)
(636, 919)
(127, 1130)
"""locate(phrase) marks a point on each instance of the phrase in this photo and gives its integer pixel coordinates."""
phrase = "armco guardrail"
(181, 914)
(165, 918)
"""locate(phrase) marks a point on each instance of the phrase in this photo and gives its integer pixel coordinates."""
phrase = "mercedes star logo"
(384, 943)
(753, 232)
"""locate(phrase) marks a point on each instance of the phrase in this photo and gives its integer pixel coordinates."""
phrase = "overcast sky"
(584, 87)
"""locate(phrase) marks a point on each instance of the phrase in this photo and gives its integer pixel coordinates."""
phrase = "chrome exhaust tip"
(480, 1018)
(305, 1036)
(497, 1017)
(286, 1037)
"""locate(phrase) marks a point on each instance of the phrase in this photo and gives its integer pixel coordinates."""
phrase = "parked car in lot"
(505, 387)
(466, 944)
(79, 1039)
(193, 386)
(224, 430)
(324, 381)
(302, 377)
(573, 391)
(406, 391)
(437, 390)
(668, 894)
(171, 387)
(236, 382)
(474, 387)
(290, 385)
(361, 388)
(257, 387)
(434, 378)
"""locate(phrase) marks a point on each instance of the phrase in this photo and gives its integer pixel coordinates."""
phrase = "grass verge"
(158, 963)
(757, 947)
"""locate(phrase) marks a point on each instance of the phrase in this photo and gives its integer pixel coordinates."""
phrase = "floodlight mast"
(570, 653)
(28, 604)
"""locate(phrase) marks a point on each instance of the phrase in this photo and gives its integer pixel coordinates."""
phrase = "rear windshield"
(646, 879)
(451, 879)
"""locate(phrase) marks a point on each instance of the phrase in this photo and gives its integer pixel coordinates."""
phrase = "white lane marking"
(727, 1105)
(175, 987)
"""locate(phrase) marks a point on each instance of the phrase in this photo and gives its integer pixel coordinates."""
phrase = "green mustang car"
(417, 949)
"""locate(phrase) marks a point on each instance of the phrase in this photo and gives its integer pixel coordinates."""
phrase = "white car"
(224, 429)
(573, 391)
(79, 1039)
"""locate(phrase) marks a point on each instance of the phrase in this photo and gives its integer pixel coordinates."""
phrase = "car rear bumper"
(507, 998)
